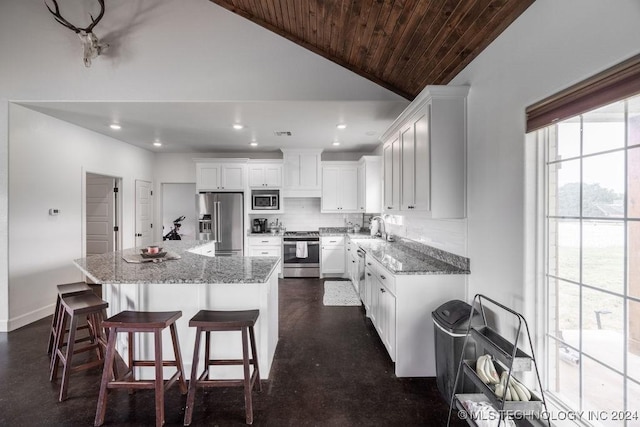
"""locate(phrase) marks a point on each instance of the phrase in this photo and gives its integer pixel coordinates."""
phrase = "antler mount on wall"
(91, 44)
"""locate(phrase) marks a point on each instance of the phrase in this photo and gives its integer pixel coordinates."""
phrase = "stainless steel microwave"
(265, 200)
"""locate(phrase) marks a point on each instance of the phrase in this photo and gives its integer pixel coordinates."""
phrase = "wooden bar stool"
(74, 308)
(207, 321)
(139, 321)
(68, 289)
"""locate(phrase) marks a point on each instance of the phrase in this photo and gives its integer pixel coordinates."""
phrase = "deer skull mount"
(91, 45)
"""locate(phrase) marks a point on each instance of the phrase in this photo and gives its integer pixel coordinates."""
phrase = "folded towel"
(301, 250)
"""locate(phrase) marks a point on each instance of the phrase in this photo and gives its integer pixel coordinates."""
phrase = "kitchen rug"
(340, 293)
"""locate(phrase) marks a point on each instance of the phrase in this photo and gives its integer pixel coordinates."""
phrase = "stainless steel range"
(301, 254)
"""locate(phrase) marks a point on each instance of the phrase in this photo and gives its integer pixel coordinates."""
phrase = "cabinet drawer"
(385, 277)
(264, 251)
(265, 241)
(332, 240)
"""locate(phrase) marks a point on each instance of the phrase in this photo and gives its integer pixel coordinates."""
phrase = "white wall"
(551, 46)
(161, 50)
(49, 161)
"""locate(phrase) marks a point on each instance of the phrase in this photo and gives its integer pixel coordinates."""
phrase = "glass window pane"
(633, 260)
(633, 182)
(564, 188)
(633, 121)
(604, 129)
(602, 390)
(564, 248)
(603, 327)
(603, 254)
(633, 397)
(603, 185)
(564, 311)
(564, 139)
(564, 373)
(633, 343)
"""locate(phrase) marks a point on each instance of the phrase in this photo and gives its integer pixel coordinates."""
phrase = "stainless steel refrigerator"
(220, 219)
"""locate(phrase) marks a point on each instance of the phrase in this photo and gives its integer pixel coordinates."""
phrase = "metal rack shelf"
(511, 359)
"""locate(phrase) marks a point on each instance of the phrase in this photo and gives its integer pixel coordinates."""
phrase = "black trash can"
(450, 324)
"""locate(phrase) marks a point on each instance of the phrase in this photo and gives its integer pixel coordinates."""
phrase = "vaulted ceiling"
(402, 45)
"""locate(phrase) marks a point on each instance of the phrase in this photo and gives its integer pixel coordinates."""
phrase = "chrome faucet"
(384, 234)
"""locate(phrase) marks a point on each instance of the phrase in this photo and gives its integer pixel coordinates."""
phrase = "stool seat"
(224, 320)
(73, 308)
(207, 321)
(142, 319)
(66, 289)
(132, 322)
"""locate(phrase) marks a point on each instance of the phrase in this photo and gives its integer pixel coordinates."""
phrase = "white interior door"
(144, 236)
(100, 214)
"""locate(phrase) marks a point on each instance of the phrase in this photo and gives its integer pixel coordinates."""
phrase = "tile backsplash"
(447, 234)
(303, 214)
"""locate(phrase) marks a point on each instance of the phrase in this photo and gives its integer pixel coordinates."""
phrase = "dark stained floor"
(330, 369)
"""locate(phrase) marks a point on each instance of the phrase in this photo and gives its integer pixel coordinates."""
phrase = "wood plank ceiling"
(402, 45)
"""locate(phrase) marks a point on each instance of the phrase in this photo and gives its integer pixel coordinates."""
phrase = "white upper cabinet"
(216, 175)
(340, 187)
(425, 155)
(302, 173)
(370, 184)
(265, 174)
(391, 154)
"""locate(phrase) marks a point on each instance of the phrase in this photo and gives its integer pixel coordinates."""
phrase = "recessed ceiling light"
(237, 126)
(341, 126)
(157, 144)
(253, 144)
(336, 143)
(115, 126)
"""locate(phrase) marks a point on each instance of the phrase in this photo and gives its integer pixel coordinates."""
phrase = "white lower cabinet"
(400, 306)
(332, 255)
(266, 246)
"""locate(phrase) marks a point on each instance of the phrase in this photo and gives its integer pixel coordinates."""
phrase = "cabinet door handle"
(368, 263)
(264, 241)
(382, 277)
(264, 253)
(382, 290)
(353, 261)
(369, 274)
(389, 207)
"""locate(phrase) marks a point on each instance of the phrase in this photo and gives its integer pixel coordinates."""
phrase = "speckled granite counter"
(192, 283)
(190, 268)
(398, 258)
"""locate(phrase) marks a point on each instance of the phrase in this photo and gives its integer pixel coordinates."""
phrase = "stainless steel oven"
(301, 254)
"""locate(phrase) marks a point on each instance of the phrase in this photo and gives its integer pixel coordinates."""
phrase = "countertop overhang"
(111, 268)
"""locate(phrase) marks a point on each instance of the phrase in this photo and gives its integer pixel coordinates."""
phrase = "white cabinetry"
(391, 159)
(333, 258)
(302, 173)
(265, 174)
(425, 155)
(339, 187)
(217, 175)
(370, 184)
(266, 246)
(400, 307)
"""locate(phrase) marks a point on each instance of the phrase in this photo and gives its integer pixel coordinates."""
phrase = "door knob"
(139, 235)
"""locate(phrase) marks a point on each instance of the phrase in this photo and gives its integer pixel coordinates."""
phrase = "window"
(592, 271)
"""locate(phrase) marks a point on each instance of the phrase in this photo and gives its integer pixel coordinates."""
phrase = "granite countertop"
(110, 268)
(339, 231)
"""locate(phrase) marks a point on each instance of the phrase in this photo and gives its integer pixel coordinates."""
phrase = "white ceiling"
(202, 127)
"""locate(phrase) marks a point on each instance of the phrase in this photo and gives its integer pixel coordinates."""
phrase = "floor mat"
(340, 293)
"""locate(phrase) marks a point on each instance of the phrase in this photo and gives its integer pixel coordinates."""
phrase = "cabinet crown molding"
(219, 160)
(429, 92)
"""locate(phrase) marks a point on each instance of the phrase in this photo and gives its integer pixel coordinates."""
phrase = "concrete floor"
(330, 369)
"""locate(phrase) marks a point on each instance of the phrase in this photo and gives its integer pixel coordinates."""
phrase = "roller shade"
(611, 85)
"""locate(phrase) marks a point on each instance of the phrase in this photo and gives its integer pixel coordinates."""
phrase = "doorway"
(102, 222)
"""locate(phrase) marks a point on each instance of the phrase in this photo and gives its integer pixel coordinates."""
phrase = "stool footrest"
(151, 363)
(229, 362)
(202, 382)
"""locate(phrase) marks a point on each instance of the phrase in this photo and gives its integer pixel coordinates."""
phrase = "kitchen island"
(191, 283)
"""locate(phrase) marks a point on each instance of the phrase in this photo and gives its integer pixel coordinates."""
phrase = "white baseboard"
(25, 319)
